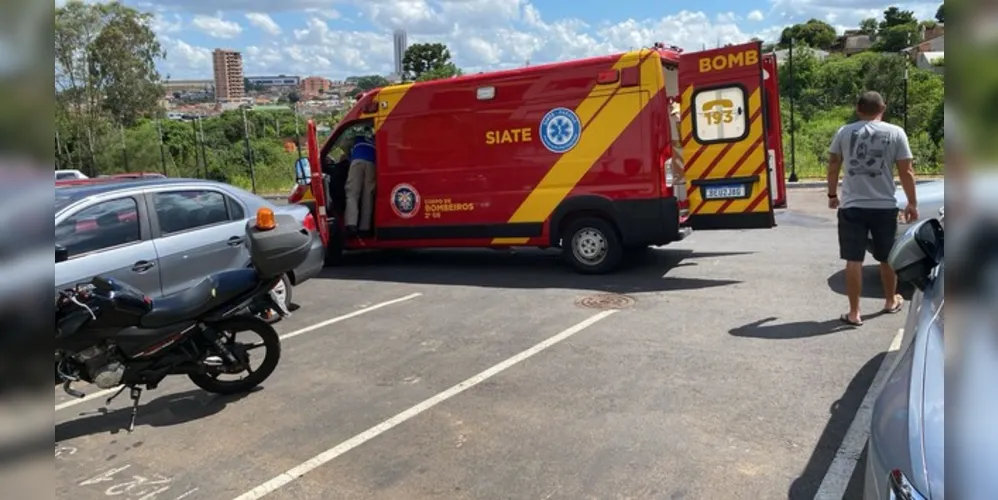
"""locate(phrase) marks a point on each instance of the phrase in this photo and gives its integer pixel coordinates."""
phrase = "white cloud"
(217, 27)
(482, 34)
(264, 22)
(184, 60)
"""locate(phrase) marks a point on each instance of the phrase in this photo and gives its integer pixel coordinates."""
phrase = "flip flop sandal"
(897, 308)
(845, 319)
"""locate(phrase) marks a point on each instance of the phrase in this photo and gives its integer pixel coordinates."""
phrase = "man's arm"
(834, 164)
(906, 170)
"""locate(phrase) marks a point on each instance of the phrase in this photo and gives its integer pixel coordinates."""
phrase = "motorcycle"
(109, 334)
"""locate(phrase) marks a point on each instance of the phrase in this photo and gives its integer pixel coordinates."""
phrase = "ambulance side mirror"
(302, 176)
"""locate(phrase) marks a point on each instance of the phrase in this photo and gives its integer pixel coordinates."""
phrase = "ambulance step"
(684, 232)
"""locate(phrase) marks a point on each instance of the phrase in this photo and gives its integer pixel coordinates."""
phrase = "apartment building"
(228, 66)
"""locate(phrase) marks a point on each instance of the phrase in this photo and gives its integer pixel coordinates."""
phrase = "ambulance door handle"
(739, 111)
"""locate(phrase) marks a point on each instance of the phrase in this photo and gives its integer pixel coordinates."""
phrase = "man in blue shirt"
(360, 185)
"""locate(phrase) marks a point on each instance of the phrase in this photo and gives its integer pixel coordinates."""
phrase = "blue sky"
(339, 38)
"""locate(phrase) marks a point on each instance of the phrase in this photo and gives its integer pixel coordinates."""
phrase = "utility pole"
(197, 166)
(249, 151)
(58, 148)
(793, 130)
(907, 44)
(124, 146)
(204, 154)
(297, 133)
(162, 152)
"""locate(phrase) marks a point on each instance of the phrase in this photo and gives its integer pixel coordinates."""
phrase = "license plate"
(724, 192)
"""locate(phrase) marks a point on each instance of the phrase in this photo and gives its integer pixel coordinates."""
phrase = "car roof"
(66, 195)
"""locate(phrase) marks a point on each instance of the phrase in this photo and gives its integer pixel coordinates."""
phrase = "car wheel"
(592, 246)
(283, 290)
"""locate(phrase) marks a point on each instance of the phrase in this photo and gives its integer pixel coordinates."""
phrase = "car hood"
(931, 191)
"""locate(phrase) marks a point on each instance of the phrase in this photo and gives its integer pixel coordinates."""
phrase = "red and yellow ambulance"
(573, 155)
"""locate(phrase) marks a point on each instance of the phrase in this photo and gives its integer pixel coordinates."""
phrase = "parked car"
(68, 175)
(163, 236)
(930, 204)
(905, 447)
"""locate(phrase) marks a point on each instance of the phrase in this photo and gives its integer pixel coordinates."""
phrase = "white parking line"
(833, 486)
(107, 392)
(330, 454)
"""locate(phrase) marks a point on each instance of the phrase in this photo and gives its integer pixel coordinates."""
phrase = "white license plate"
(724, 192)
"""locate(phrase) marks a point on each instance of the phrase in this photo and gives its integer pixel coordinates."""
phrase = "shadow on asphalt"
(171, 409)
(645, 271)
(786, 331)
(872, 288)
(843, 412)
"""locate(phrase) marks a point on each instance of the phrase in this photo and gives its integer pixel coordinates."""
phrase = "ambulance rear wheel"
(334, 250)
(592, 246)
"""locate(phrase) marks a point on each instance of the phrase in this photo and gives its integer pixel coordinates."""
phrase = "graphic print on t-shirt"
(867, 152)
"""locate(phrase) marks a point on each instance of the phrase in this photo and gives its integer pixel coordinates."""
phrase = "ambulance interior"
(336, 164)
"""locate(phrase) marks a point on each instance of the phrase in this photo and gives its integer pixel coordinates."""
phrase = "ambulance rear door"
(724, 138)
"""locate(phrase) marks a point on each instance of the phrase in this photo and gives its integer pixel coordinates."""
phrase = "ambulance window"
(721, 115)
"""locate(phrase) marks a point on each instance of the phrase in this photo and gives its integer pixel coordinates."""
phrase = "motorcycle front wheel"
(229, 329)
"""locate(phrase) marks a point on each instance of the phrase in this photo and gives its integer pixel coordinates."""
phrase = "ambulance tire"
(592, 245)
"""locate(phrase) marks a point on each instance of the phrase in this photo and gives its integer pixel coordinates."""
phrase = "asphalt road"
(728, 376)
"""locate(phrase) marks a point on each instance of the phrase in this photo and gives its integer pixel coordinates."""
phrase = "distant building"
(228, 66)
(400, 44)
(314, 85)
(852, 42)
(783, 55)
(279, 81)
(929, 60)
(171, 86)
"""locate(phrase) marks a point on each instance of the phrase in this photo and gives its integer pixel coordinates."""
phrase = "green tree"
(105, 76)
(896, 38)
(941, 13)
(814, 33)
(894, 16)
(423, 57)
(447, 70)
(371, 82)
(869, 26)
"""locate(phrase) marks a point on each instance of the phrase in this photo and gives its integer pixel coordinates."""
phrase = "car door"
(110, 238)
(196, 232)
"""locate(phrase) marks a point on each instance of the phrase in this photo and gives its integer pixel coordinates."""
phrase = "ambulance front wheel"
(592, 246)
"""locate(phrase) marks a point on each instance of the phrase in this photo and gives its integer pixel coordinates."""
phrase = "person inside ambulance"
(360, 185)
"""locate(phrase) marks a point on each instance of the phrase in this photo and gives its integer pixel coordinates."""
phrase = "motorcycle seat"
(209, 294)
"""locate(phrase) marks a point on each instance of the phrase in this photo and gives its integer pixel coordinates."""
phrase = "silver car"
(930, 204)
(905, 448)
(163, 236)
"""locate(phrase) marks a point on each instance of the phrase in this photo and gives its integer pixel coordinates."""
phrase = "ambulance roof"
(665, 54)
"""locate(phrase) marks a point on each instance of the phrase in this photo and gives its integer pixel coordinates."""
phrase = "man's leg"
(883, 229)
(355, 178)
(852, 249)
(367, 198)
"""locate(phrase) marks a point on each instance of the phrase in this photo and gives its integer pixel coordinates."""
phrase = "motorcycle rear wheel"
(271, 342)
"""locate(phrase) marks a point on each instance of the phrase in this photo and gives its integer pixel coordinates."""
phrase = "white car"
(69, 175)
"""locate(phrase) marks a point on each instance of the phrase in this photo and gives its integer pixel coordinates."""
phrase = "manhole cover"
(605, 301)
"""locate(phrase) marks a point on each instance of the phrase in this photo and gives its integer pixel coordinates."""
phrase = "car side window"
(179, 211)
(236, 211)
(102, 226)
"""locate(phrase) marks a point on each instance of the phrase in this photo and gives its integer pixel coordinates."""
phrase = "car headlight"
(900, 488)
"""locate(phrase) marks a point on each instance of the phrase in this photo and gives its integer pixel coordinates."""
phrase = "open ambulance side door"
(724, 138)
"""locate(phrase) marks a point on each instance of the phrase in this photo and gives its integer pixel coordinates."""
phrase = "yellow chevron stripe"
(391, 95)
(601, 131)
(748, 167)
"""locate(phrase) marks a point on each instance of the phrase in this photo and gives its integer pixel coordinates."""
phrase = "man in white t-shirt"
(869, 150)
